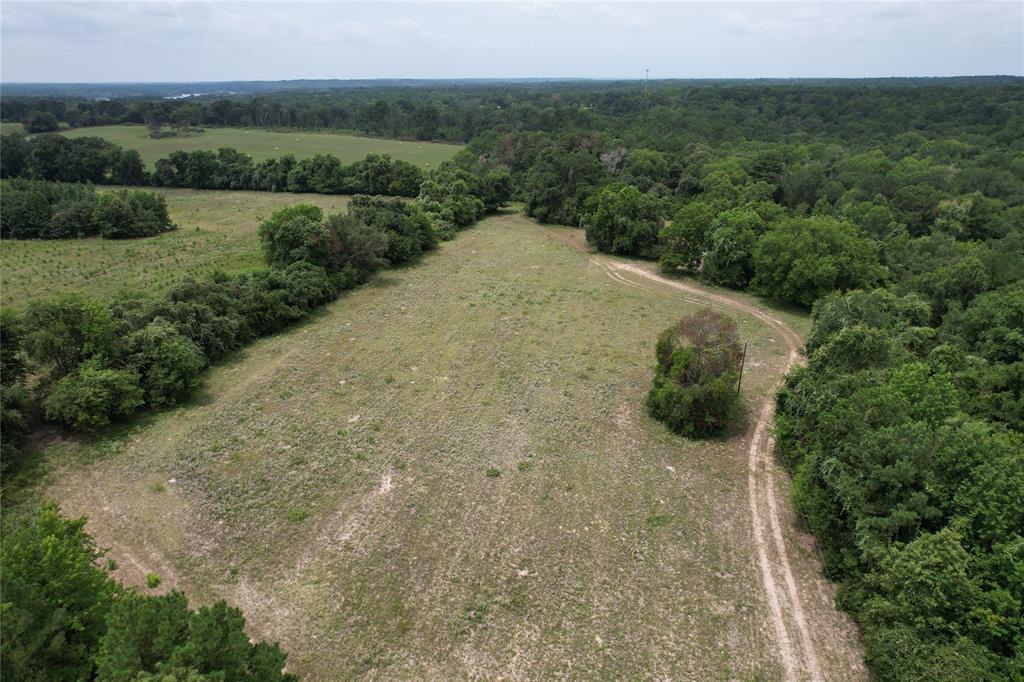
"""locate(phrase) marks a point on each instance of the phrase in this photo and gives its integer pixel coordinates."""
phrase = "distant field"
(216, 230)
(265, 144)
(8, 127)
(449, 474)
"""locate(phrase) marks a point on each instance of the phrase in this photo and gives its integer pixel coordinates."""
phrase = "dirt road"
(796, 647)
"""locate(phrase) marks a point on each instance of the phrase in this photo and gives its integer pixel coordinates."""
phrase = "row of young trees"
(97, 161)
(38, 209)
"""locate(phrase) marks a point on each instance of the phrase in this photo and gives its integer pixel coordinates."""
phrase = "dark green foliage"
(157, 634)
(130, 213)
(169, 365)
(295, 233)
(64, 618)
(683, 241)
(40, 122)
(624, 221)
(92, 396)
(917, 503)
(694, 390)
(406, 225)
(801, 260)
(36, 209)
(558, 184)
(61, 332)
(730, 247)
(14, 396)
(55, 599)
(357, 249)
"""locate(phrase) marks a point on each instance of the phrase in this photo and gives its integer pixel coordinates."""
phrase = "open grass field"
(216, 230)
(449, 474)
(8, 127)
(267, 144)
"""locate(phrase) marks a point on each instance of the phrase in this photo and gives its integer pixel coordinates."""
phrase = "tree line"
(670, 115)
(37, 209)
(95, 160)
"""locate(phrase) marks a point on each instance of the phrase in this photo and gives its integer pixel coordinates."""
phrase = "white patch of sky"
(209, 41)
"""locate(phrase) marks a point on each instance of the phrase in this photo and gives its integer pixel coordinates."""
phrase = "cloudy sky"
(210, 41)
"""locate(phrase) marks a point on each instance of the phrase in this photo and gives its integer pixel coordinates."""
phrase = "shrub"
(357, 249)
(408, 228)
(63, 331)
(130, 213)
(295, 233)
(170, 365)
(93, 395)
(694, 390)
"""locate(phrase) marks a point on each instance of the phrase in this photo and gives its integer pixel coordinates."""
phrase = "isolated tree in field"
(694, 389)
(625, 221)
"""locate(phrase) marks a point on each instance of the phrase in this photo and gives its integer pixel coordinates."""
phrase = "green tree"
(55, 598)
(625, 221)
(65, 330)
(295, 233)
(169, 365)
(92, 395)
(803, 259)
(683, 240)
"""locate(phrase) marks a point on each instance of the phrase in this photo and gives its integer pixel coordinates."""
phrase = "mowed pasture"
(268, 144)
(449, 474)
(216, 230)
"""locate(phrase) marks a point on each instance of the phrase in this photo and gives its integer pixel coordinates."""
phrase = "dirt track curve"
(798, 658)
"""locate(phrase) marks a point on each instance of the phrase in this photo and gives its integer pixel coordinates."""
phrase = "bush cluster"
(695, 382)
(38, 209)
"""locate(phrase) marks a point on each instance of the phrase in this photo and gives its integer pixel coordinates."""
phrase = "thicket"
(39, 209)
(86, 363)
(66, 618)
(695, 388)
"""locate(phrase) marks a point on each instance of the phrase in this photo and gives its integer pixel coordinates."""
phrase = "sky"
(44, 41)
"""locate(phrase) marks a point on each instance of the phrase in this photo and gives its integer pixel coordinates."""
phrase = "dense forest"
(895, 214)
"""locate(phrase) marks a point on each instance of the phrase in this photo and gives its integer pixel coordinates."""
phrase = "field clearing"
(216, 230)
(8, 127)
(449, 474)
(268, 144)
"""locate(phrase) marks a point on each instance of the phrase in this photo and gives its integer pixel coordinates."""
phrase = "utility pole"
(743, 361)
(647, 74)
